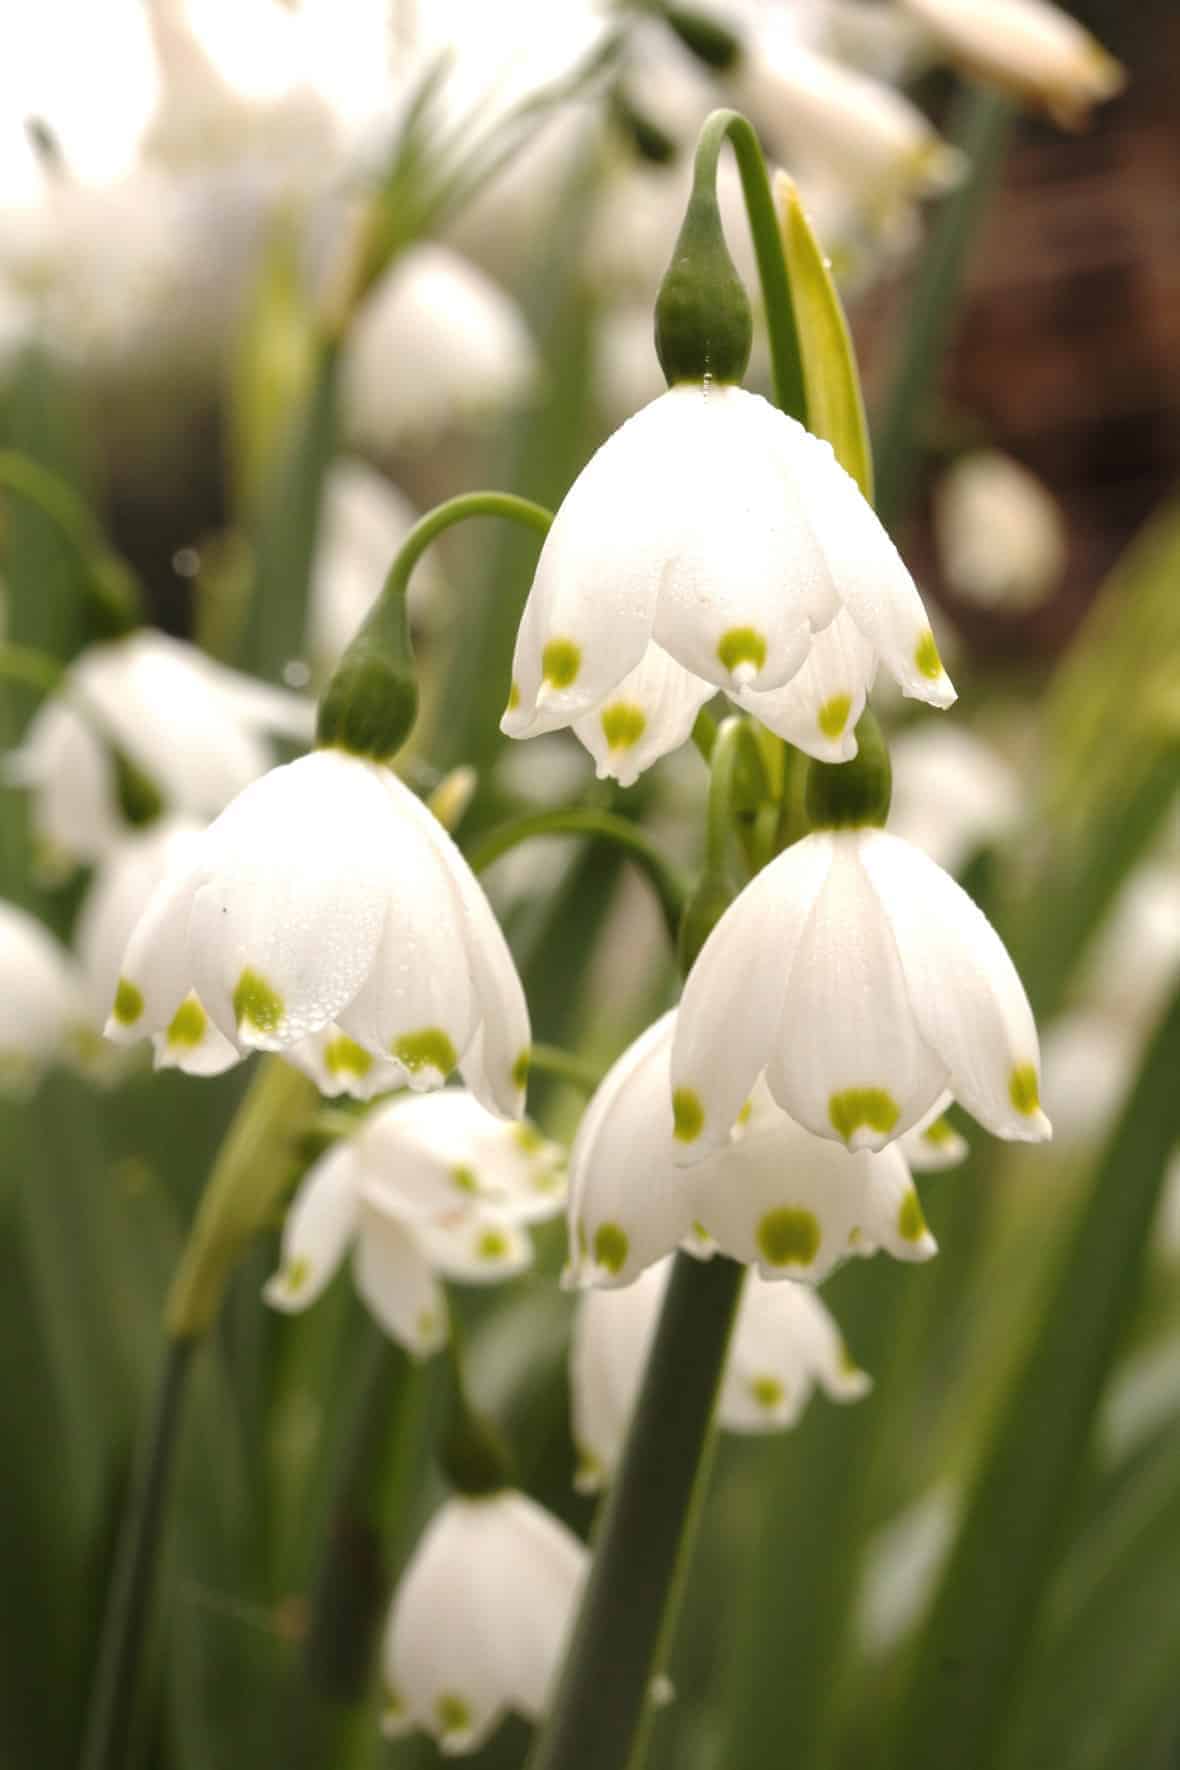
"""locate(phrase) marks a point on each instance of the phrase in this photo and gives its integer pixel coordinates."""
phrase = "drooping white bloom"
(364, 521)
(933, 1144)
(789, 1203)
(903, 1562)
(952, 793)
(196, 729)
(712, 542)
(784, 1342)
(480, 1619)
(1000, 532)
(437, 344)
(429, 1185)
(326, 893)
(42, 1002)
(1030, 48)
(865, 983)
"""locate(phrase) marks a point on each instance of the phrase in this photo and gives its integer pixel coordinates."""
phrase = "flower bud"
(703, 325)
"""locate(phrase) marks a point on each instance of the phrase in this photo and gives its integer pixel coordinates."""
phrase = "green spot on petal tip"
(911, 1224)
(610, 1247)
(1024, 1089)
(296, 1273)
(492, 1245)
(768, 1392)
(514, 697)
(742, 645)
(520, 1070)
(452, 1713)
(871, 1108)
(128, 1003)
(688, 1115)
(623, 724)
(256, 1004)
(465, 1179)
(926, 657)
(428, 1048)
(833, 715)
(343, 1056)
(188, 1024)
(789, 1236)
(560, 662)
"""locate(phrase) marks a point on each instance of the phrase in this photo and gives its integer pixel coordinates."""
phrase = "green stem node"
(849, 795)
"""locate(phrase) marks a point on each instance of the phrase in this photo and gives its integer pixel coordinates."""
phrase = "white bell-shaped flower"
(480, 1620)
(1000, 532)
(865, 984)
(773, 1195)
(1030, 48)
(429, 1187)
(933, 1144)
(197, 730)
(784, 1342)
(326, 895)
(363, 523)
(711, 543)
(42, 1002)
(437, 344)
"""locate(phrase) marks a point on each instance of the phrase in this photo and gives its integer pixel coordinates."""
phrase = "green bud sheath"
(850, 795)
(370, 705)
(703, 325)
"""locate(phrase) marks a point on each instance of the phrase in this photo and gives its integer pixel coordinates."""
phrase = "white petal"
(733, 999)
(475, 1246)
(630, 1204)
(394, 1277)
(496, 1064)
(650, 713)
(850, 1060)
(818, 709)
(873, 582)
(41, 996)
(966, 996)
(612, 1335)
(192, 1043)
(796, 1206)
(933, 1143)
(338, 1065)
(320, 1224)
(443, 1150)
(290, 899)
(545, 1569)
(119, 893)
(158, 964)
(784, 1342)
(74, 810)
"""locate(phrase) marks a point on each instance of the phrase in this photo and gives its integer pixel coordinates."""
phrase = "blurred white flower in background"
(952, 793)
(43, 1008)
(427, 1188)
(1000, 533)
(124, 880)
(784, 1343)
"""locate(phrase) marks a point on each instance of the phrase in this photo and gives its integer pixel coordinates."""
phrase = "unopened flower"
(364, 521)
(437, 344)
(480, 1619)
(712, 542)
(197, 730)
(1000, 533)
(784, 1342)
(327, 894)
(428, 1187)
(1030, 48)
(789, 1203)
(865, 983)
(42, 1002)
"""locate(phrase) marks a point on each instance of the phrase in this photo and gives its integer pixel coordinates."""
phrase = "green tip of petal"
(938, 1133)
(520, 1069)
(492, 1245)
(623, 724)
(1024, 1089)
(452, 1713)
(926, 657)
(426, 1325)
(256, 1004)
(296, 1274)
(911, 1224)
(465, 1179)
(428, 1048)
(833, 715)
(768, 1392)
(611, 1243)
(742, 645)
(789, 1236)
(688, 1115)
(188, 1024)
(128, 1003)
(514, 697)
(560, 662)
(527, 1138)
(343, 1056)
(872, 1108)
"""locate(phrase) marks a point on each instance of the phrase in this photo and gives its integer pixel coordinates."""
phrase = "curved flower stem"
(785, 356)
(584, 820)
(550, 1060)
(112, 1696)
(251, 1170)
(982, 124)
(109, 580)
(454, 510)
(647, 1528)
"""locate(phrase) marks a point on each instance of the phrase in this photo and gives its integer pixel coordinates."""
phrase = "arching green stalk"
(108, 579)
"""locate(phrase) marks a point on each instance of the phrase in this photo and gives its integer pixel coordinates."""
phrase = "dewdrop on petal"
(862, 981)
(774, 1196)
(784, 1342)
(480, 1619)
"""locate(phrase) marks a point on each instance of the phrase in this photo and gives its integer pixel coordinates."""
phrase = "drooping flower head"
(43, 1011)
